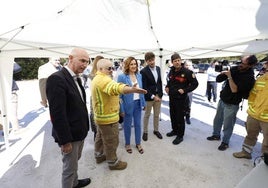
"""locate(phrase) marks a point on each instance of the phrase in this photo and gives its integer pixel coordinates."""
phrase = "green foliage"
(29, 67)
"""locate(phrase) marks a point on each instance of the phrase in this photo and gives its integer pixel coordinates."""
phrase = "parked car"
(195, 68)
(203, 67)
(258, 66)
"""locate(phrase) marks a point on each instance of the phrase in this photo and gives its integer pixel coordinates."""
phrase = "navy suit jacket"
(148, 82)
(127, 99)
(68, 111)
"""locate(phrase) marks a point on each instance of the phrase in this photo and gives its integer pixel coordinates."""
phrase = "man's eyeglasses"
(84, 61)
(110, 68)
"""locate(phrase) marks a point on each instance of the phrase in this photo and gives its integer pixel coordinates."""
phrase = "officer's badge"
(193, 75)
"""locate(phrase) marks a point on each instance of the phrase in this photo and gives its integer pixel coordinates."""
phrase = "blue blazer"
(126, 100)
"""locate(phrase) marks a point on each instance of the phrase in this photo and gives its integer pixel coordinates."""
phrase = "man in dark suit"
(152, 82)
(69, 115)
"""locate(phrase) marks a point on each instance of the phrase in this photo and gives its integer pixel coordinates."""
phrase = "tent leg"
(6, 71)
(6, 132)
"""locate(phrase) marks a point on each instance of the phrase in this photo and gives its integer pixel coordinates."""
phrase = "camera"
(223, 66)
(219, 68)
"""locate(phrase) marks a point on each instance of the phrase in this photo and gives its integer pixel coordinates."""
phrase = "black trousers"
(177, 112)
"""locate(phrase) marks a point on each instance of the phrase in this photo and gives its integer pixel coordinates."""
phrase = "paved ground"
(33, 159)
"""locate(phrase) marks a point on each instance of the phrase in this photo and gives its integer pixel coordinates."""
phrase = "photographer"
(239, 80)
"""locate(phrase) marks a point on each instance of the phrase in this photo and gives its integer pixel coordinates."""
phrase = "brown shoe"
(100, 159)
(120, 165)
(242, 154)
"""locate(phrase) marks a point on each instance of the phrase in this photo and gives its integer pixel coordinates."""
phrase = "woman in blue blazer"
(132, 104)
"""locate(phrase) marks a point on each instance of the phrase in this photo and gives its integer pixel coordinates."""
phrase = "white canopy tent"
(196, 29)
(120, 28)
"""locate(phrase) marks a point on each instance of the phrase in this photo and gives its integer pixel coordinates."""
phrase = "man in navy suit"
(152, 82)
(69, 115)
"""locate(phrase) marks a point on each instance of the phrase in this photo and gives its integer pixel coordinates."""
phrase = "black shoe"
(213, 137)
(145, 136)
(158, 134)
(177, 140)
(223, 146)
(83, 183)
(188, 121)
(170, 134)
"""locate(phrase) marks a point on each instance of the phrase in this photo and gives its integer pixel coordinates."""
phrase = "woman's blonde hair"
(94, 66)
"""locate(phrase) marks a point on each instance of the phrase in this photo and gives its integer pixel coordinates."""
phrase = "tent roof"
(195, 29)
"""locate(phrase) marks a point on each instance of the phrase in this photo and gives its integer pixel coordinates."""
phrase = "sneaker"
(188, 121)
(223, 146)
(100, 159)
(213, 137)
(158, 134)
(177, 140)
(170, 134)
(242, 154)
(145, 136)
(120, 165)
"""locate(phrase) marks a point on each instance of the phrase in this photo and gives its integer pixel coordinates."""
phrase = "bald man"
(69, 115)
(105, 99)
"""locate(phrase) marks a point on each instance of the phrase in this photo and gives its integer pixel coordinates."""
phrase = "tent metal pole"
(5, 92)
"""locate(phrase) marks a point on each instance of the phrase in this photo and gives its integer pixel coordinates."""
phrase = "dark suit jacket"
(148, 83)
(68, 112)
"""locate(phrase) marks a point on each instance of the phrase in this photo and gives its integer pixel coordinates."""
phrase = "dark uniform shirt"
(181, 79)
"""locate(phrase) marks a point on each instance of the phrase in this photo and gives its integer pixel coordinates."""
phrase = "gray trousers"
(70, 165)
